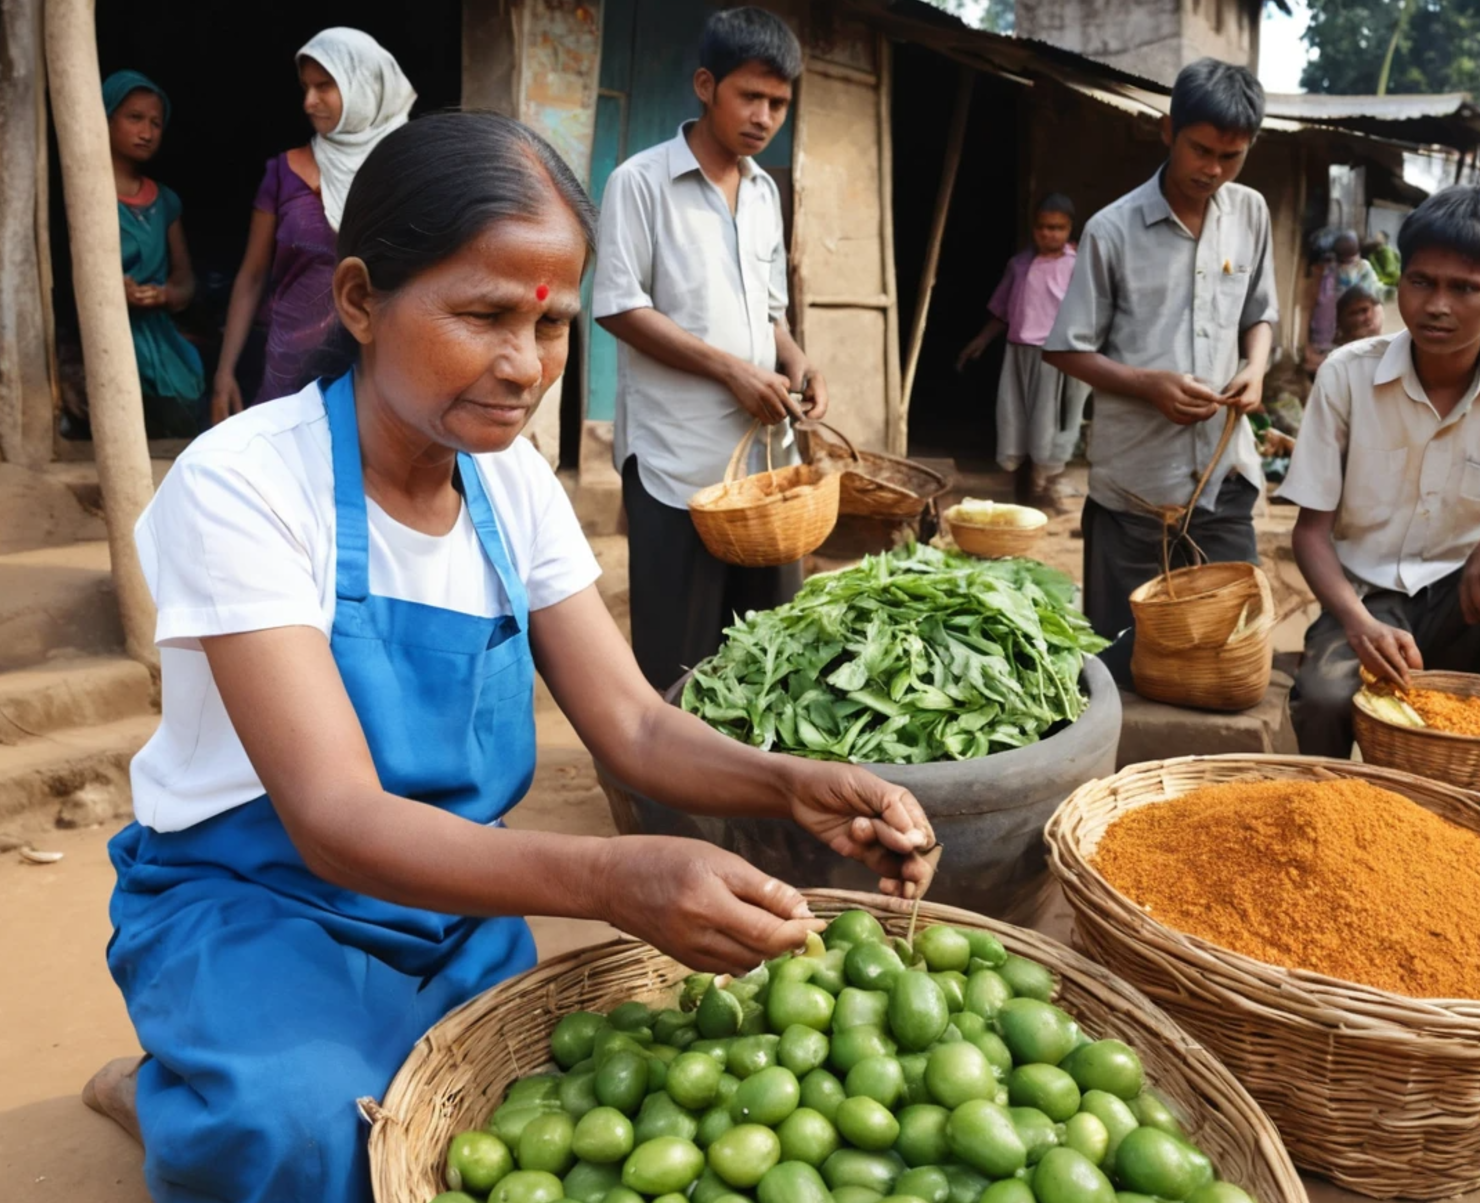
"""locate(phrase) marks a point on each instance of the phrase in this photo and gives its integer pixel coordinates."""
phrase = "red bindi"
(541, 292)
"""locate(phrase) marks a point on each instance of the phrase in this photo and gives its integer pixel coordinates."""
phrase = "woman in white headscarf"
(354, 94)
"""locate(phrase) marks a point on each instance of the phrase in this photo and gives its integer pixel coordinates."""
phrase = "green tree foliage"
(1438, 49)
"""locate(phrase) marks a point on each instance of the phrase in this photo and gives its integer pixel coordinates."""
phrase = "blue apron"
(269, 999)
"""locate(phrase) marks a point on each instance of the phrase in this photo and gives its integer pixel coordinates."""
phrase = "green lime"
(608, 1042)
(855, 1194)
(860, 1008)
(533, 1089)
(908, 955)
(1107, 1065)
(1009, 1190)
(527, 1186)
(1219, 1192)
(657, 1076)
(943, 948)
(969, 1024)
(792, 1182)
(709, 1188)
(693, 1080)
(454, 1196)
(1130, 1196)
(792, 969)
(1035, 1130)
(925, 1182)
(867, 1124)
(665, 1053)
(879, 1078)
(719, 1014)
(588, 1182)
(545, 1144)
(713, 1124)
(850, 1047)
(661, 1116)
(872, 966)
(1064, 1176)
(807, 1135)
(669, 1025)
(985, 946)
(802, 1049)
(1027, 978)
(914, 1066)
(603, 1135)
(1202, 1165)
(829, 972)
(1087, 1135)
(898, 1198)
(574, 1037)
(767, 1097)
(1045, 1087)
(1036, 1031)
(752, 1018)
(822, 1092)
(630, 1016)
(799, 1002)
(917, 1012)
(1152, 1112)
(966, 1184)
(677, 1196)
(854, 1167)
(852, 927)
(477, 1160)
(510, 1120)
(622, 1082)
(922, 1135)
(751, 1054)
(743, 1154)
(718, 1049)
(996, 1052)
(953, 986)
(1114, 1114)
(952, 1035)
(728, 1084)
(986, 991)
(578, 1093)
(666, 1164)
(1151, 1162)
(956, 1073)
(982, 1135)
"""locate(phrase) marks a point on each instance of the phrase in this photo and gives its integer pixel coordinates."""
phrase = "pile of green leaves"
(909, 657)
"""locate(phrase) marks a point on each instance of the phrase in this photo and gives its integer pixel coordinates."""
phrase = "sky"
(1282, 53)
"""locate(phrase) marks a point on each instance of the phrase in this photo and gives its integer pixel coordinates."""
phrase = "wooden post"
(948, 172)
(896, 436)
(115, 404)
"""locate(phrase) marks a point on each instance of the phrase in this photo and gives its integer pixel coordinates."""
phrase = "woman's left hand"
(864, 817)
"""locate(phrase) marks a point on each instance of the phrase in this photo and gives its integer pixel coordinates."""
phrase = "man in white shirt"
(691, 279)
(1386, 472)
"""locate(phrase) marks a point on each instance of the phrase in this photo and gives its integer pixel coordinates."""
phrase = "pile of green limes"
(861, 1070)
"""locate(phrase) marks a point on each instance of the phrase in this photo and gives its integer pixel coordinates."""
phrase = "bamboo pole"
(949, 168)
(896, 431)
(115, 404)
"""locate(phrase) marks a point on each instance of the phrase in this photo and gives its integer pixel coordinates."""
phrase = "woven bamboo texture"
(1203, 637)
(768, 518)
(1454, 759)
(1377, 1091)
(459, 1070)
(996, 542)
(874, 485)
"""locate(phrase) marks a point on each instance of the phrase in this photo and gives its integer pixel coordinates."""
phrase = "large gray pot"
(989, 814)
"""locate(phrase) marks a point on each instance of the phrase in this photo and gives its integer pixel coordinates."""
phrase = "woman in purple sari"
(354, 94)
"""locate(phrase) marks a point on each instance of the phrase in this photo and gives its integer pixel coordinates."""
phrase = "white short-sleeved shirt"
(1403, 482)
(240, 537)
(669, 242)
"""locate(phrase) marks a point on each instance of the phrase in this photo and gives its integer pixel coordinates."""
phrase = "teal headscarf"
(121, 83)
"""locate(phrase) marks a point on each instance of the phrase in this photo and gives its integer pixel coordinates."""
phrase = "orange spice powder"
(1338, 877)
(1451, 712)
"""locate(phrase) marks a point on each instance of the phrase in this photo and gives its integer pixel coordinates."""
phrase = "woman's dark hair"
(1225, 96)
(1056, 202)
(1447, 221)
(1355, 295)
(429, 189)
(736, 36)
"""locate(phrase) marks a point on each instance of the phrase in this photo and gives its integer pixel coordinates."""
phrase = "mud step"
(55, 599)
(75, 692)
(76, 776)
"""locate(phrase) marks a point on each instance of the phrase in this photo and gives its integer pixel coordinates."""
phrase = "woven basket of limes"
(958, 1061)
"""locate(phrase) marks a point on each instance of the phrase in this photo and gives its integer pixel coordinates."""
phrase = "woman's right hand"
(972, 351)
(226, 397)
(703, 906)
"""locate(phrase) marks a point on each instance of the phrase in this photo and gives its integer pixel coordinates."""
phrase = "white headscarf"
(377, 98)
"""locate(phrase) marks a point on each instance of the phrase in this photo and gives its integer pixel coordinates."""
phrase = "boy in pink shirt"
(1039, 409)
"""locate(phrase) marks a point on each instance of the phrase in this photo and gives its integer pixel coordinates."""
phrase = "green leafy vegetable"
(909, 657)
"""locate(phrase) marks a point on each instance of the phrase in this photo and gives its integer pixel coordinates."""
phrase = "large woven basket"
(769, 518)
(459, 1070)
(995, 542)
(1437, 754)
(1377, 1091)
(1203, 637)
(873, 484)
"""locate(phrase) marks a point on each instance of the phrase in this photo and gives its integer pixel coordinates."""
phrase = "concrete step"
(75, 777)
(57, 599)
(73, 692)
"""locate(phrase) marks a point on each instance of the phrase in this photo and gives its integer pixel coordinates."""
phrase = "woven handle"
(742, 451)
(818, 423)
(1167, 543)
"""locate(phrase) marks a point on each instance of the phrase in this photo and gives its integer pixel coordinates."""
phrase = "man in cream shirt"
(691, 279)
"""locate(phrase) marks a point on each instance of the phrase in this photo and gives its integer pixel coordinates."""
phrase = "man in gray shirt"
(1169, 318)
(691, 279)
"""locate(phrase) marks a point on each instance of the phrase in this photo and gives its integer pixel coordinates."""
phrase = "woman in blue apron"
(355, 587)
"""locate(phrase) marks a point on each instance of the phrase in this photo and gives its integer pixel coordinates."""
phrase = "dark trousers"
(1330, 675)
(683, 598)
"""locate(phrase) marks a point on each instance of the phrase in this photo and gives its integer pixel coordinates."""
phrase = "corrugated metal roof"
(1315, 106)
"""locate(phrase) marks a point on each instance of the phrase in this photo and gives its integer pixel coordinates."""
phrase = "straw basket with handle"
(1203, 634)
(1378, 1091)
(873, 485)
(994, 541)
(1442, 755)
(773, 517)
(459, 1070)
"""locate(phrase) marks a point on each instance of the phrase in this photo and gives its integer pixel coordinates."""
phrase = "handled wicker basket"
(767, 519)
(1441, 755)
(874, 485)
(1375, 1090)
(458, 1071)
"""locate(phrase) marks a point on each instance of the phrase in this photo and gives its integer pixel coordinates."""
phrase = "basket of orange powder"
(1432, 728)
(1316, 924)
